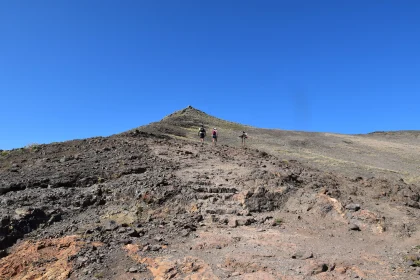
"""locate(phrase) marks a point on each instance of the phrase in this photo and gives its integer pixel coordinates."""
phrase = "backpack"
(202, 130)
(214, 132)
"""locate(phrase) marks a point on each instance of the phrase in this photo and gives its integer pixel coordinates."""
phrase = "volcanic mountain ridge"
(153, 203)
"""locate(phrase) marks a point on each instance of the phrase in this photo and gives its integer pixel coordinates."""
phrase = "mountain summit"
(185, 123)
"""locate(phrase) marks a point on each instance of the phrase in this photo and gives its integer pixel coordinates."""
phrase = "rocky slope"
(145, 205)
(393, 155)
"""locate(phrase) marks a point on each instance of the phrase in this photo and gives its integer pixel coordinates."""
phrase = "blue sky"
(82, 68)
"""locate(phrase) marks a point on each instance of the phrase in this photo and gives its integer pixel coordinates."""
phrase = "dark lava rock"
(318, 268)
(133, 233)
(303, 255)
(155, 248)
(354, 227)
(132, 270)
(353, 207)
(111, 226)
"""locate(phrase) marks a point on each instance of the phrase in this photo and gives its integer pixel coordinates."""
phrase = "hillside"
(153, 203)
(380, 154)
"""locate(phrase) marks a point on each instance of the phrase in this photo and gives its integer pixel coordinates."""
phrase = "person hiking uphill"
(202, 133)
(214, 135)
(243, 137)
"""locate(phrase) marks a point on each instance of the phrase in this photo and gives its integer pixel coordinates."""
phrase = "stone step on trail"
(218, 196)
(218, 190)
(214, 193)
(220, 211)
(232, 220)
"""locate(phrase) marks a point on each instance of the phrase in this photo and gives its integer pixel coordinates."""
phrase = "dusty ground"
(145, 206)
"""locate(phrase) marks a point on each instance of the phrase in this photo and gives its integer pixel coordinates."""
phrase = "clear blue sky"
(82, 68)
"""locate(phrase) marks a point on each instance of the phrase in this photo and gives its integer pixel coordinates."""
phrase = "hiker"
(243, 137)
(214, 136)
(202, 133)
